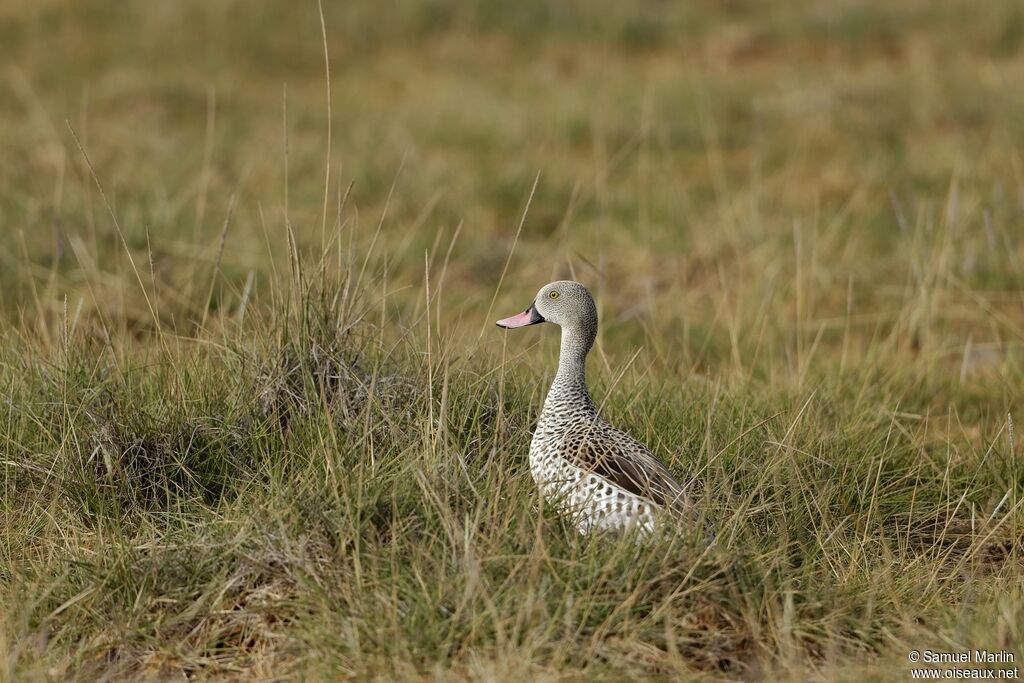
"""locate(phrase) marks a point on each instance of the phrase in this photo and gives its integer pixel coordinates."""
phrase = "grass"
(255, 430)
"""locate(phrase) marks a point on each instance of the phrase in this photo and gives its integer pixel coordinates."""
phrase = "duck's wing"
(626, 463)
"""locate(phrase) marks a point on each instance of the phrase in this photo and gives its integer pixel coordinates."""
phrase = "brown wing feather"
(626, 463)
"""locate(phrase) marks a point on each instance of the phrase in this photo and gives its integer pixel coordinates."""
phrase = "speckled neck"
(569, 395)
(572, 356)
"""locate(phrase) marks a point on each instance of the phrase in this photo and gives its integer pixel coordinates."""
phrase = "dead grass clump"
(208, 609)
(296, 382)
(318, 360)
(960, 537)
(144, 459)
(300, 381)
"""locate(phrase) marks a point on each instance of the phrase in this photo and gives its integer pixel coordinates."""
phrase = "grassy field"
(256, 421)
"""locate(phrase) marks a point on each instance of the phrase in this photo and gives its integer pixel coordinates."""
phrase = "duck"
(594, 473)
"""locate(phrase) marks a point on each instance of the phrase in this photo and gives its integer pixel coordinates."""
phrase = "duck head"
(565, 303)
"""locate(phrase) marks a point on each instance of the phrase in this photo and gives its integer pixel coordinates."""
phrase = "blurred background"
(702, 165)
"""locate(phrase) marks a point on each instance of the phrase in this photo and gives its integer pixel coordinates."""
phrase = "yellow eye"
(553, 294)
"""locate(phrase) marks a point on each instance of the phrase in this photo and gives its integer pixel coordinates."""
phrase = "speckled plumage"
(597, 474)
